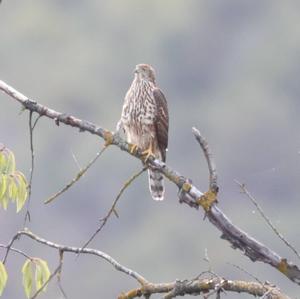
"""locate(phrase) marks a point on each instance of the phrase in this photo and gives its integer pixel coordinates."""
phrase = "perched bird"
(145, 120)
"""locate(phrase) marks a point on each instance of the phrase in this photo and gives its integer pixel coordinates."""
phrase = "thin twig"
(213, 184)
(9, 246)
(61, 256)
(36, 121)
(113, 207)
(17, 251)
(246, 272)
(77, 177)
(29, 187)
(268, 221)
(76, 250)
(76, 161)
(207, 259)
(62, 290)
(206, 272)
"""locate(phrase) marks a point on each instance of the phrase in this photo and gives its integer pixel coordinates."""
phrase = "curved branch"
(255, 250)
(77, 250)
(213, 185)
(17, 251)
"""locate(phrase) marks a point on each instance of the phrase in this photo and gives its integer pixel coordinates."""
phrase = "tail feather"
(156, 184)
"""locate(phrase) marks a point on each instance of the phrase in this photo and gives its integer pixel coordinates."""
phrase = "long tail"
(156, 184)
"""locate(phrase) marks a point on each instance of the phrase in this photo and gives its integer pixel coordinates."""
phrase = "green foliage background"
(231, 68)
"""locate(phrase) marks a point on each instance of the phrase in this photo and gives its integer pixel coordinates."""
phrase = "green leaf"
(3, 277)
(12, 188)
(38, 276)
(27, 277)
(4, 164)
(11, 163)
(4, 201)
(7, 161)
(22, 177)
(5, 197)
(15, 189)
(2, 161)
(13, 184)
(22, 190)
(42, 273)
(3, 183)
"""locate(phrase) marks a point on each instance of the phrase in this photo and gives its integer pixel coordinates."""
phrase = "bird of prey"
(145, 120)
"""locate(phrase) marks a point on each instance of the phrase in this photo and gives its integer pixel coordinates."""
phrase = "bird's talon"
(147, 153)
(133, 148)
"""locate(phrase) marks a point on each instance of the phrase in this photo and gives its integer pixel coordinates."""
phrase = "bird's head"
(145, 72)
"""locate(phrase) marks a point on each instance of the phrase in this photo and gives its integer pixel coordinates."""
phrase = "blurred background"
(230, 68)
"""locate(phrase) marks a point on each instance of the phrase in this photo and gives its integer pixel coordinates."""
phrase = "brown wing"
(161, 121)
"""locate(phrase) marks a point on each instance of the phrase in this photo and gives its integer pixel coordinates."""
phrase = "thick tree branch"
(205, 287)
(255, 250)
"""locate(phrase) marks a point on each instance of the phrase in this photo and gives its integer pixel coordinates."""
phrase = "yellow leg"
(133, 148)
(148, 152)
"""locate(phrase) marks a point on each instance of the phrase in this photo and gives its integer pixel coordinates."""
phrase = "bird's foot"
(133, 148)
(147, 154)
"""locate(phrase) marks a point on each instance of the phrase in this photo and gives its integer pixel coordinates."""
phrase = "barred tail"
(156, 184)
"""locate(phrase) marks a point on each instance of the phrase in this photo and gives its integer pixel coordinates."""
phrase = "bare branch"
(29, 187)
(213, 185)
(9, 246)
(17, 251)
(245, 271)
(57, 116)
(203, 286)
(268, 221)
(255, 250)
(77, 250)
(61, 256)
(77, 177)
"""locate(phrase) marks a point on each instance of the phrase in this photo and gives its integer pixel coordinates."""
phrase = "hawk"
(145, 120)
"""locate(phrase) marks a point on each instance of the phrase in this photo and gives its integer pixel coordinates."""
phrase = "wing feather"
(161, 121)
